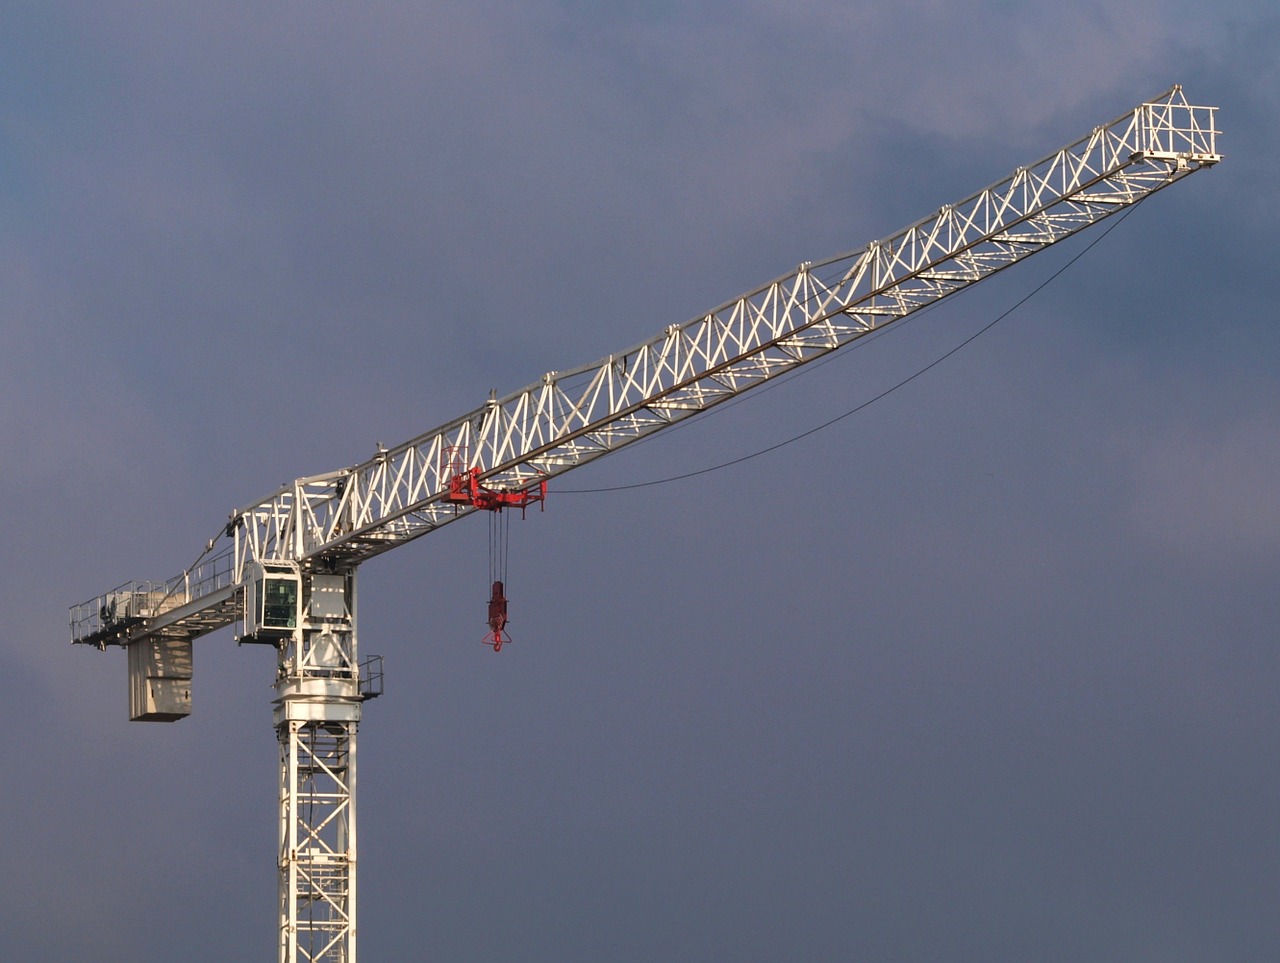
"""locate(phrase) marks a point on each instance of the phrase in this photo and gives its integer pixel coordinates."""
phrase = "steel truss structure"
(317, 847)
(322, 527)
(318, 707)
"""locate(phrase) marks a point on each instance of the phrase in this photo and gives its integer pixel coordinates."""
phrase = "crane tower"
(283, 570)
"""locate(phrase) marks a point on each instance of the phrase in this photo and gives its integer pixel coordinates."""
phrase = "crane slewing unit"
(283, 569)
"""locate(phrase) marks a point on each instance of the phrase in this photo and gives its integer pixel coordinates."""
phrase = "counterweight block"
(159, 679)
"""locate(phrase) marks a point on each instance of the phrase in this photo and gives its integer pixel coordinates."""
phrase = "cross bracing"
(567, 419)
(287, 568)
(316, 841)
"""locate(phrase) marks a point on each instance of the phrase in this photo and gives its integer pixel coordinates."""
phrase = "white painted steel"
(327, 524)
(317, 859)
(566, 419)
(317, 717)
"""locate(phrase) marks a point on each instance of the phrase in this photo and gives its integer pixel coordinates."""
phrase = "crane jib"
(565, 420)
(284, 569)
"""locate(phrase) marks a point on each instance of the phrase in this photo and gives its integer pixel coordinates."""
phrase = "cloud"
(247, 242)
(1211, 490)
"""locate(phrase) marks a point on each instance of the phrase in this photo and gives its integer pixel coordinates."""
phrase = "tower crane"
(282, 570)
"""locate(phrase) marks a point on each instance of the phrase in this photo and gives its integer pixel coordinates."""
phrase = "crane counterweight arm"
(567, 419)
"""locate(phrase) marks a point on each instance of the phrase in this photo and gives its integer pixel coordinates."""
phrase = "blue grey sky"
(986, 672)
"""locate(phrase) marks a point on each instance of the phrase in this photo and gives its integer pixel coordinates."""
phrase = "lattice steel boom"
(284, 568)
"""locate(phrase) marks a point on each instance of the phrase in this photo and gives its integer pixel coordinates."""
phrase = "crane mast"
(283, 569)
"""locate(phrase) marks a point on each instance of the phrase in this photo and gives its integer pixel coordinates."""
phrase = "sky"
(984, 672)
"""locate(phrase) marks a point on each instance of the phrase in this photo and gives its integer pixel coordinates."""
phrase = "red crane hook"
(497, 619)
